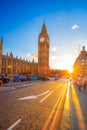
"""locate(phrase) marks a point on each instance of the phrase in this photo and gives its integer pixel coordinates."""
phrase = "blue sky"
(66, 21)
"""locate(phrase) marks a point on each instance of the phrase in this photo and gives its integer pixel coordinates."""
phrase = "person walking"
(85, 83)
(79, 83)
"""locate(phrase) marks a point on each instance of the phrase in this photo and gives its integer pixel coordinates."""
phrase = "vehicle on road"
(31, 77)
(4, 79)
(56, 77)
(39, 77)
(45, 78)
(19, 78)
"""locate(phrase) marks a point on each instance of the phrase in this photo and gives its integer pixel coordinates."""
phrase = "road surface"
(37, 107)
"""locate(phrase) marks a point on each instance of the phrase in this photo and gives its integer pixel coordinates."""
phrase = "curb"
(12, 88)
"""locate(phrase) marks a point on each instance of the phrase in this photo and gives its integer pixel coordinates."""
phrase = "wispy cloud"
(33, 55)
(54, 58)
(75, 27)
(53, 49)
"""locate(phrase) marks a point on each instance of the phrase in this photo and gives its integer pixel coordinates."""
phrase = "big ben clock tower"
(43, 51)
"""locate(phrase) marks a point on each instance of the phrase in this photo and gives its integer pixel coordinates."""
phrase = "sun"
(70, 70)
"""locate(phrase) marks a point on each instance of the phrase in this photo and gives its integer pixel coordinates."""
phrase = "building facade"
(11, 65)
(43, 51)
(80, 65)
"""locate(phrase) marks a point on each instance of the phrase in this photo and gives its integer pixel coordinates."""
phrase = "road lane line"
(66, 119)
(51, 114)
(33, 96)
(46, 97)
(28, 97)
(58, 110)
(13, 125)
(53, 111)
(43, 93)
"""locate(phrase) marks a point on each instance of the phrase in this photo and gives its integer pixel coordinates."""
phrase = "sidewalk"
(5, 88)
(18, 85)
(75, 109)
(13, 85)
(78, 103)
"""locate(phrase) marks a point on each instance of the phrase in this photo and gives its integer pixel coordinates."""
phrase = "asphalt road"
(37, 107)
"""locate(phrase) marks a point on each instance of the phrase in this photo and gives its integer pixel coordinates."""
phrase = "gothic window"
(4, 62)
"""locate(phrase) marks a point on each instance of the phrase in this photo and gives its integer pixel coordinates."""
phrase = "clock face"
(41, 39)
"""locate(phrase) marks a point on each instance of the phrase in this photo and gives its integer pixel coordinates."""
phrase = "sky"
(66, 21)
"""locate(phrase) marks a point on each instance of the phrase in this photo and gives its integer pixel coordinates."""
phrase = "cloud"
(74, 27)
(54, 58)
(63, 57)
(53, 48)
(33, 55)
(62, 62)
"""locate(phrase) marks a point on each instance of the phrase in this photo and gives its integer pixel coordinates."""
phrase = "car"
(4, 79)
(39, 77)
(19, 78)
(31, 77)
(56, 78)
(45, 78)
(28, 78)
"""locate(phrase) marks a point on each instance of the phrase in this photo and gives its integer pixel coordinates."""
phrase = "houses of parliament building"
(11, 65)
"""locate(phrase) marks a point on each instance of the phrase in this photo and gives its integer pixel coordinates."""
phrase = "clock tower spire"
(43, 51)
(44, 29)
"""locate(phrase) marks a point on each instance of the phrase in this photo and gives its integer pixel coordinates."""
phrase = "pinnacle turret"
(44, 29)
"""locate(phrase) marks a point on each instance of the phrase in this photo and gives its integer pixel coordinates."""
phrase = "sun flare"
(70, 70)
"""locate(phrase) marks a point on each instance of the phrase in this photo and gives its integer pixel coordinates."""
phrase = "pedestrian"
(84, 86)
(85, 83)
(79, 84)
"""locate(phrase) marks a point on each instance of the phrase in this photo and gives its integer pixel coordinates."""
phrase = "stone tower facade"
(43, 51)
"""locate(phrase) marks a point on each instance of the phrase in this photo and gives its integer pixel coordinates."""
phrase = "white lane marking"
(43, 93)
(28, 97)
(13, 125)
(45, 97)
(32, 96)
